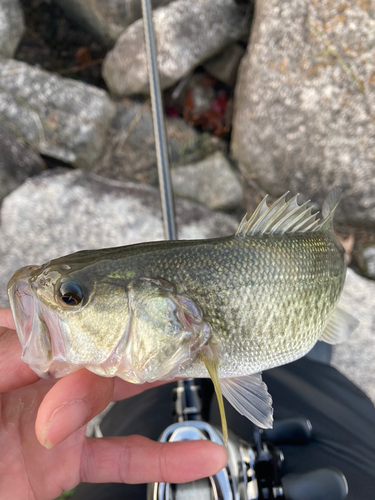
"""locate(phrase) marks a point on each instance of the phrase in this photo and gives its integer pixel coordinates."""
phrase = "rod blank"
(170, 232)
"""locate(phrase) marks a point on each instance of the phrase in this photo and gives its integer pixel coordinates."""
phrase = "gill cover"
(165, 331)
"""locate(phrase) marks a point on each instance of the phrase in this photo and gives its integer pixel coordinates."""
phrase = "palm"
(34, 411)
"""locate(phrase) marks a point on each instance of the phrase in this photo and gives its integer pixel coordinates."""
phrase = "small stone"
(17, 163)
(355, 358)
(305, 103)
(211, 182)
(62, 211)
(224, 66)
(187, 33)
(201, 95)
(62, 118)
(365, 258)
(106, 20)
(11, 27)
(130, 148)
(187, 145)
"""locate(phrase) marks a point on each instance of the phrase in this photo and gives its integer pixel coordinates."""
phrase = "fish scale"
(209, 271)
(227, 308)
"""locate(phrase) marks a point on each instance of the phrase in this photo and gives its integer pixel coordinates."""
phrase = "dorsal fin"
(287, 216)
(329, 207)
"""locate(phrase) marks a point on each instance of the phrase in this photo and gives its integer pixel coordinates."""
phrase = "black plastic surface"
(320, 484)
(289, 431)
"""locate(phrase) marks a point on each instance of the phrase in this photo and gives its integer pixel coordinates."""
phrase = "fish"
(227, 308)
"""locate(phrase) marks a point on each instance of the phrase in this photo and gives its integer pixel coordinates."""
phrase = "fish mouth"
(39, 329)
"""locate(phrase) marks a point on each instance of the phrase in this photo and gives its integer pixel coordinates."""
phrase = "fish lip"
(22, 305)
(40, 335)
(21, 276)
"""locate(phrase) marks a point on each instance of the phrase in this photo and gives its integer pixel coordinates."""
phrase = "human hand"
(43, 446)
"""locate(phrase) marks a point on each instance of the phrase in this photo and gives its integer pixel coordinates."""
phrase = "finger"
(6, 318)
(14, 372)
(136, 459)
(70, 404)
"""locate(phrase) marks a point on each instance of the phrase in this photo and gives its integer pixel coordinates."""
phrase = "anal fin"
(212, 365)
(250, 397)
(339, 327)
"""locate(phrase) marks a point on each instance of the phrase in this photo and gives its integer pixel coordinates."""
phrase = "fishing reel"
(253, 471)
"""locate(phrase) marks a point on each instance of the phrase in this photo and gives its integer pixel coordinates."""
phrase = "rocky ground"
(276, 98)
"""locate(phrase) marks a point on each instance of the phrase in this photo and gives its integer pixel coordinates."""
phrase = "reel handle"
(325, 484)
(289, 431)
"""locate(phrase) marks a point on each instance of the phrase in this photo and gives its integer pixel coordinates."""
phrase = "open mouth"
(38, 329)
(22, 303)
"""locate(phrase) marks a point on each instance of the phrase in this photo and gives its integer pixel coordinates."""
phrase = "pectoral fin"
(212, 364)
(339, 327)
(250, 397)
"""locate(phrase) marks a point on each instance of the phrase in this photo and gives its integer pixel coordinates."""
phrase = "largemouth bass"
(226, 307)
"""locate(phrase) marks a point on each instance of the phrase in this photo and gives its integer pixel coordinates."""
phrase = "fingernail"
(65, 420)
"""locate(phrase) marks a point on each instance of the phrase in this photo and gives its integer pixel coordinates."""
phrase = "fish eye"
(71, 293)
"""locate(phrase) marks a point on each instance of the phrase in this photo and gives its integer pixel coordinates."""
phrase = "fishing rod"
(253, 470)
(166, 195)
(162, 160)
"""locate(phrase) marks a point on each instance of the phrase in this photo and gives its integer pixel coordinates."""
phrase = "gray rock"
(17, 163)
(105, 19)
(130, 148)
(305, 102)
(211, 182)
(11, 27)
(187, 33)
(224, 66)
(355, 358)
(62, 118)
(63, 211)
(365, 258)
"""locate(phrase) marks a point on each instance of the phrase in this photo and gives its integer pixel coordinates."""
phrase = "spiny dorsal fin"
(329, 207)
(287, 216)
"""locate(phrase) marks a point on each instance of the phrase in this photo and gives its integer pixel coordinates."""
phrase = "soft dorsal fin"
(288, 216)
